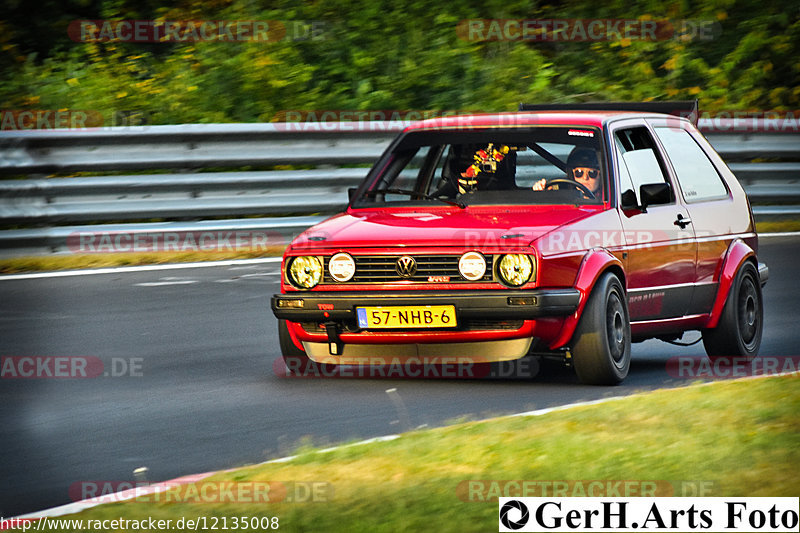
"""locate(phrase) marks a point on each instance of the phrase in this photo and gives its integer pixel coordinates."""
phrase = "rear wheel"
(738, 333)
(601, 347)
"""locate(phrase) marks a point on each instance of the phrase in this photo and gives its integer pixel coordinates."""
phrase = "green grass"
(742, 436)
(777, 226)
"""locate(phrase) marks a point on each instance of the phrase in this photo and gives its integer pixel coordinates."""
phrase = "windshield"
(541, 165)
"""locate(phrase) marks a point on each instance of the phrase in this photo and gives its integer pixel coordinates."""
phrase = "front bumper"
(343, 342)
(506, 304)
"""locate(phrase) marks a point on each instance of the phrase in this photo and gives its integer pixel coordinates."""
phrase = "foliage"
(373, 55)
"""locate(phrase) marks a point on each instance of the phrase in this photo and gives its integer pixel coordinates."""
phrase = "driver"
(583, 167)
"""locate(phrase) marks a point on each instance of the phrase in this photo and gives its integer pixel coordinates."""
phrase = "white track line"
(786, 234)
(162, 283)
(142, 268)
(130, 494)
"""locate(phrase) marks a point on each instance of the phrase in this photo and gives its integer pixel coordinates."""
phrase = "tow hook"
(335, 344)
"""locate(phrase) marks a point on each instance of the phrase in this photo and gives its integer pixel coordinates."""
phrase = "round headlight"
(305, 272)
(515, 269)
(342, 267)
(472, 266)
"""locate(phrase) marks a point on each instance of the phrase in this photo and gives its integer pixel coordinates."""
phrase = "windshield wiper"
(415, 193)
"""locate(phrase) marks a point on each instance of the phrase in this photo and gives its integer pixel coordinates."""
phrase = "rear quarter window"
(696, 174)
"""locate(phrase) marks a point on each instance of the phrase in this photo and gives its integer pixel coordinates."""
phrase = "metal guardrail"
(179, 196)
(40, 201)
(191, 194)
(190, 146)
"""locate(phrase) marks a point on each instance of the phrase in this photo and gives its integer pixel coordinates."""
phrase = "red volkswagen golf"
(568, 232)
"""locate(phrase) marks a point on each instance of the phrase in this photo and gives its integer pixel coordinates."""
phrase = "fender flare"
(737, 254)
(595, 263)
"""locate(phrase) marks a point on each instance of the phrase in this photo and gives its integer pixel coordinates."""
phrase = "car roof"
(529, 118)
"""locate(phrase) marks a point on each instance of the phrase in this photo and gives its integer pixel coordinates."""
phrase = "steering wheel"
(580, 186)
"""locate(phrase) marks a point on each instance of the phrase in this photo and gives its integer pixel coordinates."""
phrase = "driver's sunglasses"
(592, 174)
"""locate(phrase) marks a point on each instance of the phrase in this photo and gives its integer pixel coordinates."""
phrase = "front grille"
(382, 269)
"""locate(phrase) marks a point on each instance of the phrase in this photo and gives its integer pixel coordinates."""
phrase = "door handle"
(682, 222)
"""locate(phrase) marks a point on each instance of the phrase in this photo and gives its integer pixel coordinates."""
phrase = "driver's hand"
(540, 185)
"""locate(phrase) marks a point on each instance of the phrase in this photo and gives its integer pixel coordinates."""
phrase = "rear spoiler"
(680, 108)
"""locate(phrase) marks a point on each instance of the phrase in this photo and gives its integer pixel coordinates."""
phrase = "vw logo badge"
(406, 266)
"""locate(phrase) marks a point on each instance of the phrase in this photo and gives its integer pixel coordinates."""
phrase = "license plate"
(411, 316)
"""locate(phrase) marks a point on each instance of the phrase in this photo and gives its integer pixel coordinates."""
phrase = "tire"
(601, 346)
(294, 358)
(738, 333)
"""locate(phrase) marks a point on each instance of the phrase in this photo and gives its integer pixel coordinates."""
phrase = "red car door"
(717, 207)
(661, 248)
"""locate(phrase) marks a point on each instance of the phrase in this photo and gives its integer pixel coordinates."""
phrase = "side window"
(638, 162)
(625, 180)
(698, 178)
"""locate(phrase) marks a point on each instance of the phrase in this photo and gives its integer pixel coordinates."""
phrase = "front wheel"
(295, 359)
(738, 333)
(601, 347)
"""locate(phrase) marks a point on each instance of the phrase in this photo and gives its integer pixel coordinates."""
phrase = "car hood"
(473, 227)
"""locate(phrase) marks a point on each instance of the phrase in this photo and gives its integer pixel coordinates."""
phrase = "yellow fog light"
(515, 269)
(305, 272)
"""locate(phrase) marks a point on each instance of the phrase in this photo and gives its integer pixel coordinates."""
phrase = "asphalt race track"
(190, 388)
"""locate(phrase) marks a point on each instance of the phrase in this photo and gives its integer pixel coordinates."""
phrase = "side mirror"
(351, 194)
(655, 194)
(629, 200)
